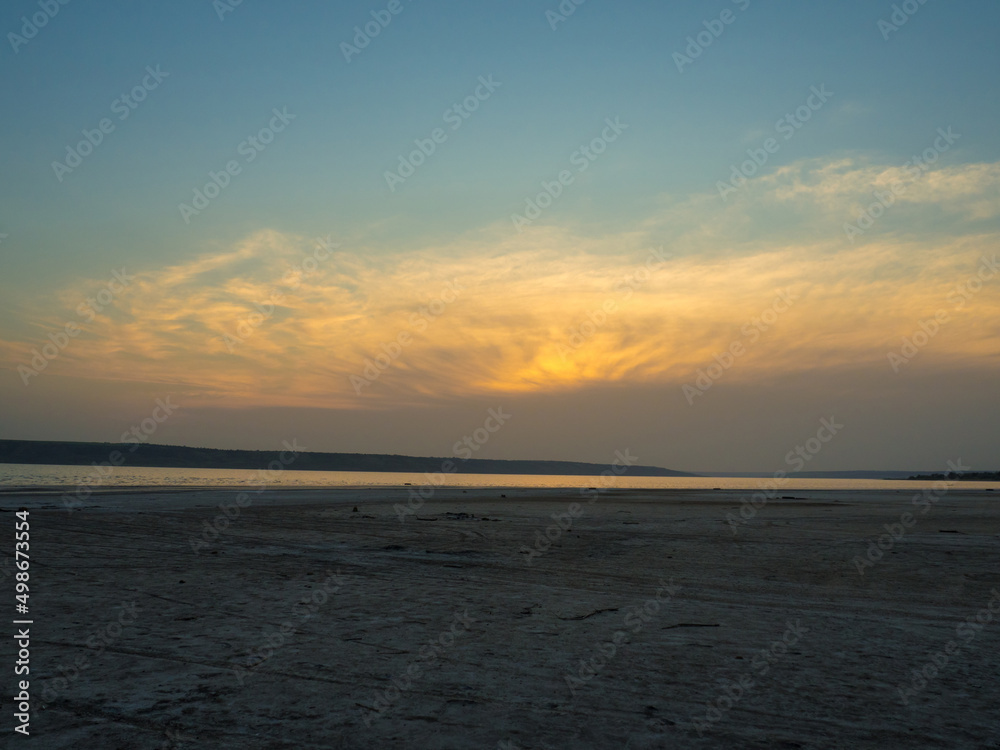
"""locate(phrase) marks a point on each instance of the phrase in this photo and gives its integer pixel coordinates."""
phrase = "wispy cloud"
(519, 323)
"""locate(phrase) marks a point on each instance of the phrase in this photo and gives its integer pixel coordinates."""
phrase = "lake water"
(66, 477)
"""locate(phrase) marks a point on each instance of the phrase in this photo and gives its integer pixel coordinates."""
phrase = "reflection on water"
(23, 475)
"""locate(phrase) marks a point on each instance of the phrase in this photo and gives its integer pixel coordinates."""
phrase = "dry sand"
(821, 651)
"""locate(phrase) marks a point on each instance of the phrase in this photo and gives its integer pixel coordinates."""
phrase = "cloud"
(844, 187)
(277, 320)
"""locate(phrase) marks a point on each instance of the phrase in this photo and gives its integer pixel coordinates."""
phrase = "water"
(69, 477)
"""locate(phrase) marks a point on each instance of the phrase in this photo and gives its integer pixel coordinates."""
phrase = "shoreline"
(789, 485)
(135, 499)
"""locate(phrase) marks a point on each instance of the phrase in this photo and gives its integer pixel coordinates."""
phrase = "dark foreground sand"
(305, 624)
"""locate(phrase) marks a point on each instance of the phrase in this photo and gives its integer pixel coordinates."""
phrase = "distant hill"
(965, 476)
(177, 456)
(853, 474)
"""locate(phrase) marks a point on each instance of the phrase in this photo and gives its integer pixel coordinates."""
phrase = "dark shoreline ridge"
(966, 476)
(182, 457)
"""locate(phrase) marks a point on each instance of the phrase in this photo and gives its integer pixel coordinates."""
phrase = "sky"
(690, 230)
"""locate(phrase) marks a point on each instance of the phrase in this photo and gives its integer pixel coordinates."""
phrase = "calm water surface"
(37, 475)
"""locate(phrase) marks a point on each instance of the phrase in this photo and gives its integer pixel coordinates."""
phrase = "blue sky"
(324, 174)
(353, 120)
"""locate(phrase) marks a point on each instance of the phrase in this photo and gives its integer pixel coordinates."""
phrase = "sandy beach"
(543, 619)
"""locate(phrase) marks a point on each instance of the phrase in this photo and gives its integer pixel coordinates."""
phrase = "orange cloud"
(285, 320)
